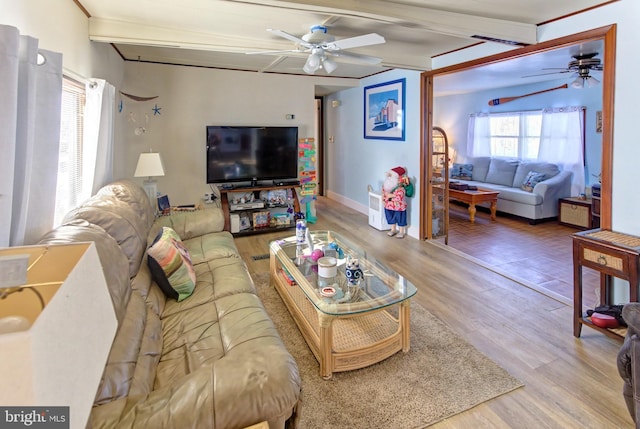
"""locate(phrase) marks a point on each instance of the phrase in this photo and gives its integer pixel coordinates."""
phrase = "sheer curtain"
(479, 135)
(561, 142)
(97, 145)
(30, 97)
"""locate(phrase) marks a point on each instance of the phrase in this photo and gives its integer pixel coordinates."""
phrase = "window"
(69, 185)
(515, 134)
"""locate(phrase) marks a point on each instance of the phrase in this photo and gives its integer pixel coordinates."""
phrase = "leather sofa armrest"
(635, 376)
(189, 224)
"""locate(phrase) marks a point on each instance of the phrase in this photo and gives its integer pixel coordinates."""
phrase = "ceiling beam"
(121, 32)
(438, 21)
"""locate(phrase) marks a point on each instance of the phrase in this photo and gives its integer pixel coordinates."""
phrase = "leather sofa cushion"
(150, 292)
(211, 246)
(236, 325)
(501, 171)
(114, 263)
(132, 194)
(214, 279)
(138, 337)
(118, 219)
(549, 170)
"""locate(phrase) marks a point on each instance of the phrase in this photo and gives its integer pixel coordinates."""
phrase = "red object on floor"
(604, 321)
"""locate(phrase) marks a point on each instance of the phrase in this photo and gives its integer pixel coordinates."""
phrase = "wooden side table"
(613, 254)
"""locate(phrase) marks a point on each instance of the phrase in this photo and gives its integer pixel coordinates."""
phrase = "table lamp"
(150, 165)
(56, 354)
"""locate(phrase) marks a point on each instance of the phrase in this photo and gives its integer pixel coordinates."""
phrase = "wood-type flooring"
(569, 382)
(539, 255)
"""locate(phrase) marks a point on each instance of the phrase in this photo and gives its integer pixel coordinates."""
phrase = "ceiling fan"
(582, 64)
(321, 46)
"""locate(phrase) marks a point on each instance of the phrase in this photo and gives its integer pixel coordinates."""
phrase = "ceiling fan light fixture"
(591, 81)
(578, 83)
(312, 64)
(329, 65)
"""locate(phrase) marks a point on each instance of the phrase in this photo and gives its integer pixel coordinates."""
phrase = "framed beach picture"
(384, 116)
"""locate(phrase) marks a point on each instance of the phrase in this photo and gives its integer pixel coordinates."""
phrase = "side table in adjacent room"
(612, 254)
(575, 212)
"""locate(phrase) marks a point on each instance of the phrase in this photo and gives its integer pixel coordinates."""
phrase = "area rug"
(442, 375)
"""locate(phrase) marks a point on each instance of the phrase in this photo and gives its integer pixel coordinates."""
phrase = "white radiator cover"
(377, 219)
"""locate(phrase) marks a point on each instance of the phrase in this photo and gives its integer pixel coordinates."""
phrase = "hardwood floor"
(569, 382)
(537, 255)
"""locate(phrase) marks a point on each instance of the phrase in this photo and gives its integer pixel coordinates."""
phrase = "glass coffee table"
(358, 326)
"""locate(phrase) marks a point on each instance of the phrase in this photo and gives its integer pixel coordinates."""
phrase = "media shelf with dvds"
(253, 210)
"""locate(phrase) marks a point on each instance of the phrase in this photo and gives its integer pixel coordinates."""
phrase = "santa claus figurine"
(394, 195)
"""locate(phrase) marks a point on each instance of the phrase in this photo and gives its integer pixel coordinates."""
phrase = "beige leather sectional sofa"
(213, 360)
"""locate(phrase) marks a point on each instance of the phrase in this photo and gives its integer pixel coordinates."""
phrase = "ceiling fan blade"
(356, 42)
(365, 59)
(288, 51)
(291, 37)
(545, 74)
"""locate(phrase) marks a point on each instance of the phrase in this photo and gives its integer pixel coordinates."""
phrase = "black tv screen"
(251, 153)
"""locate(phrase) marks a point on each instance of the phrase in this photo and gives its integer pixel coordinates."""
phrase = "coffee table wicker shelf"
(345, 337)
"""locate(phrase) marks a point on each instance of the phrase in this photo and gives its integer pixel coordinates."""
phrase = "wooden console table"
(613, 254)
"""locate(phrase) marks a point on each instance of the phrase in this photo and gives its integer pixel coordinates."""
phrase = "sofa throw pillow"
(170, 265)
(532, 179)
(461, 171)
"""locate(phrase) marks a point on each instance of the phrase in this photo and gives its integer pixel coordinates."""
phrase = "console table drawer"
(603, 259)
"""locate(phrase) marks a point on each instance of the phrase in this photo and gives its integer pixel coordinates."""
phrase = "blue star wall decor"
(156, 110)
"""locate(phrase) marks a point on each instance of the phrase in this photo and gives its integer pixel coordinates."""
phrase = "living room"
(191, 98)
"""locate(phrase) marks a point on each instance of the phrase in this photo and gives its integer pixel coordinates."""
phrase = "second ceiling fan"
(321, 46)
(582, 65)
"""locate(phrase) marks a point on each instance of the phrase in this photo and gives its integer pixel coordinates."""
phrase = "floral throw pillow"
(461, 171)
(170, 265)
(532, 179)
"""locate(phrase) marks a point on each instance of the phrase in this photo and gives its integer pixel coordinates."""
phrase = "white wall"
(191, 98)
(354, 162)
(62, 27)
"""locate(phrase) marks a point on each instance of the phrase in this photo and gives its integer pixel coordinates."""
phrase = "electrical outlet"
(13, 270)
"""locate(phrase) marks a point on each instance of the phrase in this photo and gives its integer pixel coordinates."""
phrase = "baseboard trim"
(348, 202)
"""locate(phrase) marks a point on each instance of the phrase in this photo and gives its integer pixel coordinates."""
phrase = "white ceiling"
(219, 33)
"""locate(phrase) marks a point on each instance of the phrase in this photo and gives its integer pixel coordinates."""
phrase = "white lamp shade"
(59, 360)
(149, 165)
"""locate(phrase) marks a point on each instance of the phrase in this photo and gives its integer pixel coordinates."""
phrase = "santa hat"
(400, 171)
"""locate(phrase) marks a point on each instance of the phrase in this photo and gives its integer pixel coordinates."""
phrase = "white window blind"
(69, 185)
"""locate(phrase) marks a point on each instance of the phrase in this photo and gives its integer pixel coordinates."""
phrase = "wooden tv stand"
(227, 211)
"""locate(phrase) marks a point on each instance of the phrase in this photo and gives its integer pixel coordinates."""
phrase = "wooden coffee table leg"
(493, 209)
(405, 311)
(326, 345)
(472, 212)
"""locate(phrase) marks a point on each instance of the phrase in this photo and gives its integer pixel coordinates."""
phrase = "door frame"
(606, 33)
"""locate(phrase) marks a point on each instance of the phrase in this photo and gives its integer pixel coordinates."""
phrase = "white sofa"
(507, 176)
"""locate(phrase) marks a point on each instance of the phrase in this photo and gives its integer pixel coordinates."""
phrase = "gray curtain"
(30, 97)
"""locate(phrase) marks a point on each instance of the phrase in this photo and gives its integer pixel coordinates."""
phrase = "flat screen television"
(251, 153)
